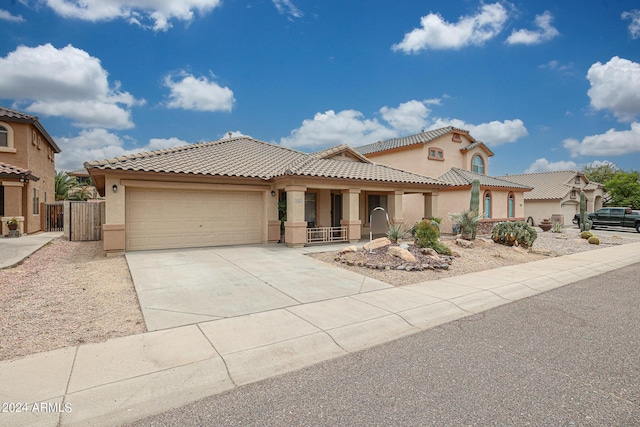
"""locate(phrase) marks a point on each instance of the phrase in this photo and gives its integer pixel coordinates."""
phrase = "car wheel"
(638, 227)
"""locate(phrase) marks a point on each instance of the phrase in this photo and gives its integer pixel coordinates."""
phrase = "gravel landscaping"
(65, 294)
(484, 255)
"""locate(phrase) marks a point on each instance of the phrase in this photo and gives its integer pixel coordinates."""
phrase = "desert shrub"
(468, 221)
(586, 234)
(594, 240)
(511, 233)
(441, 248)
(434, 221)
(427, 233)
(396, 232)
(556, 227)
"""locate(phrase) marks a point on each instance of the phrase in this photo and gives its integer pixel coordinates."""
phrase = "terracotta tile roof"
(593, 186)
(420, 138)
(461, 177)
(249, 158)
(342, 148)
(546, 185)
(11, 171)
(16, 116)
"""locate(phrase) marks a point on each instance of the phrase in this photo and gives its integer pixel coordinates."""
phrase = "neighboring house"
(228, 192)
(27, 169)
(457, 158)
(557, 195)
(85, 189)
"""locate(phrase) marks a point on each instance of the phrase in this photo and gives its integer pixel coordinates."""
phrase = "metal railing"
(326, 234)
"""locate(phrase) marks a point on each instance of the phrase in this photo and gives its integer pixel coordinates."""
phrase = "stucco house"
(556, 195)
(454, 156)
(229, 191)
(27, 169)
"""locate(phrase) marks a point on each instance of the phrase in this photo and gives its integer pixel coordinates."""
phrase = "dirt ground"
(65, 294)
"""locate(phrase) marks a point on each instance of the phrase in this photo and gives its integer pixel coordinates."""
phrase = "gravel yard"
(65, 294)
(484, 255)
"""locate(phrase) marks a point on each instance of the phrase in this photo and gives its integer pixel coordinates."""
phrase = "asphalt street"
(568, 357)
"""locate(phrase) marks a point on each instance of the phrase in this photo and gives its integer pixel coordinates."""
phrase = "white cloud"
(409, 117)
(233, 134)
(436, 33)
(351, 127)
(286, 7)
(545, 32)
(198, 93)
(7, 16)
(610, 143)
(544, 165)
(634, 26)
(615, 86)
(493, 133)
(331, 128)
(99, 144)
(160, 13)
(65, 82)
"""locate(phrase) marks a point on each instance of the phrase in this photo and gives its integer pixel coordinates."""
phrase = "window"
(577, 180)
(436, 154)
(374, 201)
(36, 201)
(574, 194)
(477, 164)
(310, 209)
(4, 137)
(487, 204)
(512, 206)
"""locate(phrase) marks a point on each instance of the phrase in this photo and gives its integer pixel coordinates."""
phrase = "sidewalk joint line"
(219, 355)
(66, 389)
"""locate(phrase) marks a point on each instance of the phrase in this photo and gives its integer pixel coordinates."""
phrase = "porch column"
(273, 223)
(12, 205)
(113, 230)
(351, 214)
(431, 204)
(395, 207)
(295, 227)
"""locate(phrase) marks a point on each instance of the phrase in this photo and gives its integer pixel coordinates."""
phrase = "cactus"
(517, 233)
(586, 234)
(594, 240)
(474, 204)
(585, 222)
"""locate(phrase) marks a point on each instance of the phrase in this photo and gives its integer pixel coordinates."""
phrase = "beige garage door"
(569, 209)
(159, 219)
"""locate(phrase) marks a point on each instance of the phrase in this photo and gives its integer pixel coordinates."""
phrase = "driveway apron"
(186, 286)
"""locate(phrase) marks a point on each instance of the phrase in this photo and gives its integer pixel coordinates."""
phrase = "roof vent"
(230, 133)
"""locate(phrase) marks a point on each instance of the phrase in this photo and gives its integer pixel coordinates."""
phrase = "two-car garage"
(164, 219)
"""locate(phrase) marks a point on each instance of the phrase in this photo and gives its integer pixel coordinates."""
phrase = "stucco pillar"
(295, 227)
(351, 214)
(395, 207)
(113, 230)
(12, 205)
(431, 204)
(273, 223)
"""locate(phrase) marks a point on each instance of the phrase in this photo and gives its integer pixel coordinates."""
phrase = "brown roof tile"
(11, 171)
(250, 158)
(461, 177)
(12, 115)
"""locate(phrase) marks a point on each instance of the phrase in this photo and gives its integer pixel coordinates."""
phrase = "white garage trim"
(164, 219)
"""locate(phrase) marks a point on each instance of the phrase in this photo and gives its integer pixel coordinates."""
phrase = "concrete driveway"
(187, 286)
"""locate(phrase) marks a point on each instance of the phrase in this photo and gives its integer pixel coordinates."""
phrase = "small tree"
(63, 183)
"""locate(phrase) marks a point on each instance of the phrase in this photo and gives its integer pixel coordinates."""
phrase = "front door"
(336, 209)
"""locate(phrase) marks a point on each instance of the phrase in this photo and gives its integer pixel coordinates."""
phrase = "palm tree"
(64, 183)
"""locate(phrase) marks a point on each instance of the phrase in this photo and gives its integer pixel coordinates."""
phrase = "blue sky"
(547, 85)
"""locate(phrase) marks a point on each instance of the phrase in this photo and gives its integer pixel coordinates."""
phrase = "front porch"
(316, 214)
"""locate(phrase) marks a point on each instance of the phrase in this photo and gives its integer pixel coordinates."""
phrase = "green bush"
(594, 240)
(426, 233)
(511, 233)
(441, 248)
(468, 221)
(586, 234)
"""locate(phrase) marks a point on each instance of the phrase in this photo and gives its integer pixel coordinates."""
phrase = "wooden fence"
(85, 221)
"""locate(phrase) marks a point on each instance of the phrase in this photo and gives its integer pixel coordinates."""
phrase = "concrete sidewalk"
(128, 378)
(15, 250)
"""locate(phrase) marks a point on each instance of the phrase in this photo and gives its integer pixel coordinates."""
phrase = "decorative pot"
(12, 226)
(545, 225)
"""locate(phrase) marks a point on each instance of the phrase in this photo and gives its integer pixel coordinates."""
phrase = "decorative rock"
(408, 268)
(349, 249)
(519, 249)
(400, 267)
(429, 251)
(485, 240)
(377, 243)
(541, 251)
(403, 254)
(561, 236)
(464, 243)
(404, 246)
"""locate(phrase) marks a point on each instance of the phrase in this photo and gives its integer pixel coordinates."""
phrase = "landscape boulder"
(401, 253)
(377, 243)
